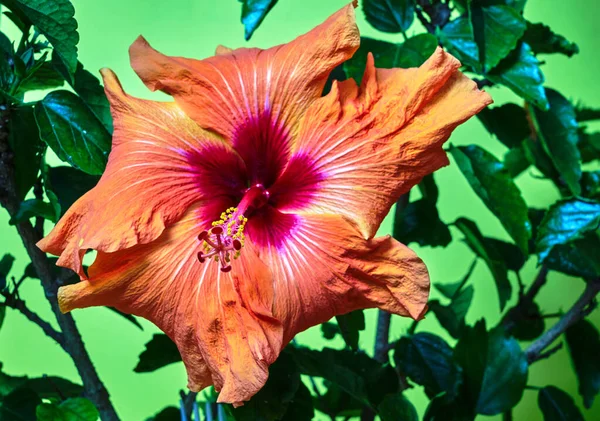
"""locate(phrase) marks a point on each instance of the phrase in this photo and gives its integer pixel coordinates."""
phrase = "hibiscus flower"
(245, 211)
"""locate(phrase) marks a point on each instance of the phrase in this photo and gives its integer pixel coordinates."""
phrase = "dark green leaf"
(457, 36)
(520, 72)
(584, 113)
(497, 29)
(451, 290)
(489, 254)
(329, 330)
(350, 326)
(32, 208)
(507, 122)
(391, 16)
(160, 351)
(516, 161)
(471, 353)
(358, 375)
(272, 401)
(557, 405)
(497, 189)
(536, 155)
(543, 41)
(442, 408)
(452, 316)
(583, 342)
(73, 409)
(73, 131)
(505, 375)
(9, 383)
(25, 142)
(69, 184)
(55, 19)
(300, 407)
(396, 407)
(512, 255)
(557, 129)
(19, 405)
(170, 413)
(5, 265)
(44, 77)
(579, 257)
(420, 222)
(427, 360)
(566, 221)
(2, 311)
(88, 87)
(412, 53)
(253, 13)
(590, 184)
(530, 323)
(589, 145)
(338, 403)
(51, 387)
(131, 318)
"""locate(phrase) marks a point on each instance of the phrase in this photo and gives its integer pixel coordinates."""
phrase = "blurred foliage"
(485, 370)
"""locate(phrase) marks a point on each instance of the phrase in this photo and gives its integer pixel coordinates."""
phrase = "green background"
(193, 28)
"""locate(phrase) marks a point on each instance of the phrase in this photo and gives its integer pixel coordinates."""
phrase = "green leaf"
(130, 317)
(5, 265)
(336, 402)
(73, 409)
(355, 373)
(497, 189)
(427, 360)
(9, 383)
(565, 221)
(505, 375)
(589, 145)
(55, 19)
(557, 405)
(25, 142)
(511, 254)
(579, 257)
(584, 113)
(2, 313)
(253, 13)
(396, 407)
(452, 316)
(497, 29)
(590, 184)
(495, 369)
(419, 221)
(160, 351)
(507, 122)
(350, 325)
(458, 37)
(69, 184)
(520, 72)
(73, 131)
(43, 77)
(300, 408)
(412, 53)
(19, 405)
(583, 342)
(530, 323)
(516, 161)
(393, 16)
(272, 401)
(557, 129)
(89, 89)
(442, 408)
(544, 41)
(492, 257)
(51, 387)
(33, 208)
(170, 413)
(329, 330)
(451, 290)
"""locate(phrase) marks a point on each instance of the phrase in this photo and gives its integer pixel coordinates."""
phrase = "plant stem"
(521, 310)
(382, 336)
(575, 313)
(73, 344)
(19, 305)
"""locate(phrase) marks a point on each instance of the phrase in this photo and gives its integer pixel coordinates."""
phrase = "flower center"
(224, 241)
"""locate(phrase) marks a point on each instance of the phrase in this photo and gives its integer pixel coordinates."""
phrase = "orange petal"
(160, 163)
(325, 267)
(367, 146)
(221, 322)
(225, 91)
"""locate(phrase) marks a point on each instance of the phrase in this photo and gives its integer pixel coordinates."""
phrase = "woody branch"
(71, 338)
